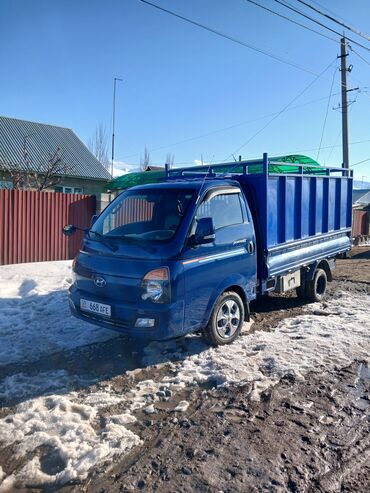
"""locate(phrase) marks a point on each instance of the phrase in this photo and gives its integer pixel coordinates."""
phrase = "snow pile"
(20, 385)
(75, 434)
(316, 341)
(34, 315)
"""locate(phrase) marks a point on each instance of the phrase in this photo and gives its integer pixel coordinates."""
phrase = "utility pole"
(343, 71)
(114, 119)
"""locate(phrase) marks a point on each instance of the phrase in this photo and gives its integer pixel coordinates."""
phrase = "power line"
(230, 38)
(360, 162)
(280, 112)
(291, 20)
(326, 113)
(333, 19)
(230, 127)
(297, 11)
(360, 56)
(305, 150)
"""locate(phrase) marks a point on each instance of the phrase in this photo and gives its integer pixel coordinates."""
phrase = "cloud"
(121, 168)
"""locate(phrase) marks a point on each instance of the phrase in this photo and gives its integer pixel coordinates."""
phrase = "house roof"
(359, 193)
(133, 179)
(40, 140)
(364, 199)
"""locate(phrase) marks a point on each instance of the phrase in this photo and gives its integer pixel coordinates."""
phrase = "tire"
(226, 320)
(316, 289)
(301, 291)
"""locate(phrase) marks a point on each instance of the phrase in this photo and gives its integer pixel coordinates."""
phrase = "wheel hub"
(228, 319)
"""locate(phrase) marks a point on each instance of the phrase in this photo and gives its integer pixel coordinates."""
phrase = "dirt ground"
(304, 436)
(310, 436)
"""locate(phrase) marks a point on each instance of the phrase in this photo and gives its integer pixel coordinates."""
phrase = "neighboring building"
(361, 215)
(151, 174)
(361, 197)
(26, 145)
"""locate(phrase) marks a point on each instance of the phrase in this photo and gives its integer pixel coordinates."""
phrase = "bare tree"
(170, 159)
(37, 176)
(12, 172)
(145, 161)
(45, 173)
(98, 145)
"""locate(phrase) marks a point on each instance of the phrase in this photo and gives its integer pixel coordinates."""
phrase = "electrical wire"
(360, 162)
(230, 127)
(326, 113)
(333, 19)
(280, 112)
(291, 20)
(358, 54)
(230, 38)
(297, 11)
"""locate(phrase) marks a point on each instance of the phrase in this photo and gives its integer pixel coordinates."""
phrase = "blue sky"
(59, 58)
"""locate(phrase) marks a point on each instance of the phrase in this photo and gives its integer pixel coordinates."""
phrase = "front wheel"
(226, 320)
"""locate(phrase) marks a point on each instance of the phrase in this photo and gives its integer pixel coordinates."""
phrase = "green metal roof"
(132, 179)
(142, 178)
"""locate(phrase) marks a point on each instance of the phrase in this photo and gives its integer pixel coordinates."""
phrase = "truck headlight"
(156, 285)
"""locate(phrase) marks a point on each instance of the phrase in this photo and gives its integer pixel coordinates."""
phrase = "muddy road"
(287, 409)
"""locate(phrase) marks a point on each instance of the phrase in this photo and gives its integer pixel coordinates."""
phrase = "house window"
(69, 189)
(6, 184)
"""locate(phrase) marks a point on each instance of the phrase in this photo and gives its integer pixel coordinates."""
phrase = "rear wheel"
(226, 320)
(301, 291)
(316, 289)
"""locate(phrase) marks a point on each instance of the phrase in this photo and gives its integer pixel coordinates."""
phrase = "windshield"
(144, 215)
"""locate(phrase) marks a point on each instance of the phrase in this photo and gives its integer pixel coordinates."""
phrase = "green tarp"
(132, 179)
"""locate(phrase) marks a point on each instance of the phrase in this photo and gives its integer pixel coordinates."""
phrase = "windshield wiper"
(102, 239)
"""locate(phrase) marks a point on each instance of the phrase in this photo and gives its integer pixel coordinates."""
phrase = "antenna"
(202, 185)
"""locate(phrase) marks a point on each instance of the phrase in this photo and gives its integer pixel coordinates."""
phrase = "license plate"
(97, 308)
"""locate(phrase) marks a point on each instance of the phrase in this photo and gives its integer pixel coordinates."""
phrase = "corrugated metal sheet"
(31, 225)
(359, 223)
(41, 140)
(364, 199)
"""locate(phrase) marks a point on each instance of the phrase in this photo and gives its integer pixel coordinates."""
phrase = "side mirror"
(205, 231)
(69, 230)
(93, 219)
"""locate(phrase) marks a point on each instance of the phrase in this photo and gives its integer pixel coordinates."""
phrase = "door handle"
(240, 242)
(251, 248)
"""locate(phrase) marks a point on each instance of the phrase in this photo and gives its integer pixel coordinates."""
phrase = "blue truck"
(192, 252)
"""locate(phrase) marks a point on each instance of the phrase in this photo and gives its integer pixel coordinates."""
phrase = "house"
(361, 215)
(359, 195)
(47, 157)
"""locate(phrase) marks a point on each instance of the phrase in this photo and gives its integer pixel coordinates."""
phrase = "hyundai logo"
(100, 282)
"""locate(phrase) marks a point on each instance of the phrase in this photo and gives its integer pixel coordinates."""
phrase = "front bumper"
(169, 318)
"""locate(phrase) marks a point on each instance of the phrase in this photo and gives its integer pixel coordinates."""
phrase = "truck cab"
(157, 259)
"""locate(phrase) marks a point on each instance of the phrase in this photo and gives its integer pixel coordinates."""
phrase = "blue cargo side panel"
(286, 221)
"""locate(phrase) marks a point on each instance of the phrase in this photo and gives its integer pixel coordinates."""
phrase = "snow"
(182, 406)
(72, 429)
(20, 385)
(85, 429)
(308, 342)
(34, 315)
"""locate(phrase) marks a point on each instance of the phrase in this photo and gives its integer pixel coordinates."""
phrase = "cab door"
(229, 260)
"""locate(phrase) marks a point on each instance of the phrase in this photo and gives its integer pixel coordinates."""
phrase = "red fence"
(31, 225)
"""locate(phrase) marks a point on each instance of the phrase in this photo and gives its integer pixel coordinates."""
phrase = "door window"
(225, 210)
